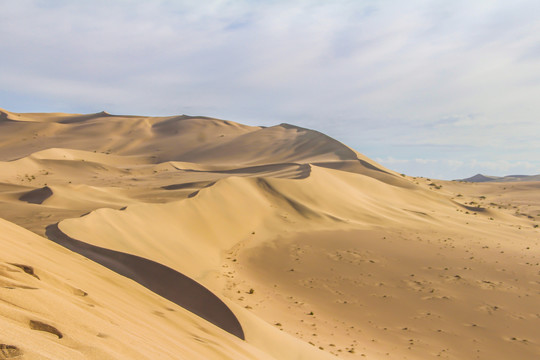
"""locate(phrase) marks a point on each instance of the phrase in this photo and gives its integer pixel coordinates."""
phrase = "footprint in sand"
(12, 286)
(27, 269)
(79, 292)
(38, 325)
(9, 351)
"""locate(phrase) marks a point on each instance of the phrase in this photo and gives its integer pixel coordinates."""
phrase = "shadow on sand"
(158, 278)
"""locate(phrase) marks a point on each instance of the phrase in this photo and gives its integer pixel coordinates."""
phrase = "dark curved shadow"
(301, 171)
(37, 196)
(158, 278)
(189, 185)
(472, 208)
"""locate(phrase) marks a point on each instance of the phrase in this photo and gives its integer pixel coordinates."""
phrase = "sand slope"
(316, 250)
(57, 305)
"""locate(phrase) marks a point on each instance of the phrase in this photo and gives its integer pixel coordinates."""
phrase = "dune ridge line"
(160, 279)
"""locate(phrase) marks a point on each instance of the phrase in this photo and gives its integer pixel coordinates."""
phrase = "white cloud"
(390, 161)
(425, 161)
(456, 169)
(454, 164)
(503, 166)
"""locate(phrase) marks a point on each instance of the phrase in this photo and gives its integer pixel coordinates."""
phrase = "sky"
(442, 89)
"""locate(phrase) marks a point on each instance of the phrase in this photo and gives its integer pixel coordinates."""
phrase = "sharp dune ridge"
(210, 232)
(160, 279)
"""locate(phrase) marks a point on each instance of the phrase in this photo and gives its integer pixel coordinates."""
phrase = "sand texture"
(183, 237)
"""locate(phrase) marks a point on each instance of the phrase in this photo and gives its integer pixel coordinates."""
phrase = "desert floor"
(181, 237)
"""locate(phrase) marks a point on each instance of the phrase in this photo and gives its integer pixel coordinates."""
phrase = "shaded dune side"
(285, 170)
(37, 196)
(272, 145)
(204, 142)
(158, 278)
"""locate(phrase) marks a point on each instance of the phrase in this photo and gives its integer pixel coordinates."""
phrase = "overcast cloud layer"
(442, 89)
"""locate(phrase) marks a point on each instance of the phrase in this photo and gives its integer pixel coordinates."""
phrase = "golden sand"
(311, 249)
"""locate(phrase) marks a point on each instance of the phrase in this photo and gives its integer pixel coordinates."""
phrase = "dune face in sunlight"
(160, 279)
(196, 238)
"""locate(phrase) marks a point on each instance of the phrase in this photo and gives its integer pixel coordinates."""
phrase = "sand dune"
(160, 279)
(302, 246)
(56, 304)
(245, 209)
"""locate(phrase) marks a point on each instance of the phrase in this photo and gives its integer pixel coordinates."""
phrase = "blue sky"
(442, 89)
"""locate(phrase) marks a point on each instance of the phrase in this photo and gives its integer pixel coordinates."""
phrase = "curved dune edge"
(160, 279)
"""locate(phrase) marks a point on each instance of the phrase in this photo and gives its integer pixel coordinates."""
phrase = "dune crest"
(77, 309)
(160, 279)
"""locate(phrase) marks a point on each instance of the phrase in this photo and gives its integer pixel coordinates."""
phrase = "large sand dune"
(279, 235)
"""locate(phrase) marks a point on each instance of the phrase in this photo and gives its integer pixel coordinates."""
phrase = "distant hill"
(508, 178)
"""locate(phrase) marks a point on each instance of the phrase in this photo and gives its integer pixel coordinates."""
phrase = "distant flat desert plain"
(186, 237)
